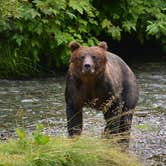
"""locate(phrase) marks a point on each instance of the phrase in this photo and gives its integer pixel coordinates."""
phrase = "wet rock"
(141, 113)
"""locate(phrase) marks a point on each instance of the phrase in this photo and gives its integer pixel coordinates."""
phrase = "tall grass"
(58, 151)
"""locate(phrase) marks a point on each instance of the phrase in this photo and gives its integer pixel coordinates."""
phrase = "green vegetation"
(146, 127)
(41, 150)
(34, 34)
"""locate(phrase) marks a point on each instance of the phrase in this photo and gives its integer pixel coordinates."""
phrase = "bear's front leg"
(112, 118)
(74, 119)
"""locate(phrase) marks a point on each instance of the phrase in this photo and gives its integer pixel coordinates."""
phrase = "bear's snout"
(88, 68)
(88, 65)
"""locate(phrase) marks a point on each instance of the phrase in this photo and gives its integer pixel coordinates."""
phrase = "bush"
(39, 31)
(34, 34)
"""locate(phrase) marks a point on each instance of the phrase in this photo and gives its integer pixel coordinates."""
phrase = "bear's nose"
(87, 66)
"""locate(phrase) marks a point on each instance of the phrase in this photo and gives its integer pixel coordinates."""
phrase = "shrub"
(34, 34)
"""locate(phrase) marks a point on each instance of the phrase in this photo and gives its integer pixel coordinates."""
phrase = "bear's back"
(122, 78)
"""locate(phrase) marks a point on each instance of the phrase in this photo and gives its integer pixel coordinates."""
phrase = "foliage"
(35, 33)
(146, 18)
(39, 32)
(81, 151)
(8, 8)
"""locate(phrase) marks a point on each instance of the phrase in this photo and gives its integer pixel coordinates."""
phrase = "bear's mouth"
(88, 71)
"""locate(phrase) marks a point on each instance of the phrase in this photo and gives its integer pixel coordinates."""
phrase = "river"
(25, 103)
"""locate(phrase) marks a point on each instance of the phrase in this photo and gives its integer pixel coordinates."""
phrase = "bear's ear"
(103, 45)
(73, 45)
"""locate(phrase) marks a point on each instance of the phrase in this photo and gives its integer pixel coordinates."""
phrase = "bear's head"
(88, 61)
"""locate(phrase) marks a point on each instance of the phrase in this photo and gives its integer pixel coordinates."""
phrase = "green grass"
(146, 127)
(58, 151)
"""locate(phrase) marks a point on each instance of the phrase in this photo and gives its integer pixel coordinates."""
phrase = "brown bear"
(101, 80)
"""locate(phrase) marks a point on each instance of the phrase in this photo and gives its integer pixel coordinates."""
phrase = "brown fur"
(75, 66)
(108, 84)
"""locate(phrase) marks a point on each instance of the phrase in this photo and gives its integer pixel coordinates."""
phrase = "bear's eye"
(94, 57)
(82, 57)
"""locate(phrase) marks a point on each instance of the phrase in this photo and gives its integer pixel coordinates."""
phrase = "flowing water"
(29, 102)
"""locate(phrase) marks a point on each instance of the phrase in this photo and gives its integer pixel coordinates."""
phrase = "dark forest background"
(34, 34)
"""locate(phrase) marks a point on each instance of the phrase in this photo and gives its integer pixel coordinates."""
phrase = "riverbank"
(50, 151)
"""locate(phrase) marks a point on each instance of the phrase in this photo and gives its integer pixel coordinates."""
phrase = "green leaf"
(19, 39)
(29, 13)
(35, 43)
(152, 29)
(39, 127)
(92, 41)
(115, 32)
(21, 133)
(41, 139)
(106, 23)
(128, 26)
(71, 15)
(163, 27)
(74, 5)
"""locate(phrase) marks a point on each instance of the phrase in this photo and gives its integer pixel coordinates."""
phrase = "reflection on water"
(26, 103)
